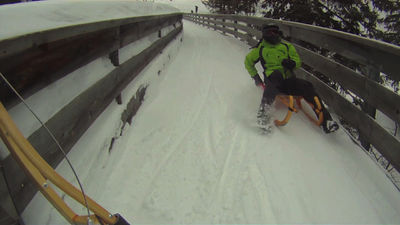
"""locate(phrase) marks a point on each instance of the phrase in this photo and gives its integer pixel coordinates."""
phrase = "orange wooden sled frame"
(41, 172)
(288, 100)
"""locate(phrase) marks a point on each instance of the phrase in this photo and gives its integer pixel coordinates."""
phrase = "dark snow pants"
(275, 84)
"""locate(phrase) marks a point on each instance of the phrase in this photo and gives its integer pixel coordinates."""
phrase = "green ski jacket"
(272, 58)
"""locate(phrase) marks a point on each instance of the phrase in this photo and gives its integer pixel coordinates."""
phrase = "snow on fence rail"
(375, 56)
(33, 61)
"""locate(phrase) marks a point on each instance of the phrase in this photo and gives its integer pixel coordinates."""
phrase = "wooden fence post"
(223, 26)
(249, 36)
(372, 73)
(8, 210)
(114, 57)
(215, 19)
(236, 30)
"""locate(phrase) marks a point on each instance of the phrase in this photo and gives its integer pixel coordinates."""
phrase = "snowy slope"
(193, 155)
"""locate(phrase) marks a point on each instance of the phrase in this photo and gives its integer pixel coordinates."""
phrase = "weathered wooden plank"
(354, 50)
(69, 124)
(135, 31)
(17, 44)
(8, 213)
(377, 95)
(22, 188)
(36, 68)
(381, 139)
(233, 26)
(216, 22)
(5, 218)
(233, 32)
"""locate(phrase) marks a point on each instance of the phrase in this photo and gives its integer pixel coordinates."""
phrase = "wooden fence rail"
(382, 56)
(33, 61)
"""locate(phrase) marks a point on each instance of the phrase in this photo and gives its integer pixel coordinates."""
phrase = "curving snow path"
(194, 155)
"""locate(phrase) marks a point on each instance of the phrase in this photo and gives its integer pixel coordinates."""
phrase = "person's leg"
(272, 87)
(264, 115)
(300, 87)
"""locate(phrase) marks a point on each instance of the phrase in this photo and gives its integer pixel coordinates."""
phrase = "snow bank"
(24, 18)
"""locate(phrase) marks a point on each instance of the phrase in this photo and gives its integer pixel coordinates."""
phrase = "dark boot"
(328, 125)
(264, 117)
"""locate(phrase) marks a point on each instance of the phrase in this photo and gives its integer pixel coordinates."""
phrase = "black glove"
(257, 80)
(288, 64)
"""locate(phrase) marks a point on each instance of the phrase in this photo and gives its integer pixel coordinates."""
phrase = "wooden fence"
(33, 61)
(373, 55)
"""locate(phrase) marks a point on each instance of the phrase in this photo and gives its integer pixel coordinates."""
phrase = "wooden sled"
(45, 177)
(288, 100)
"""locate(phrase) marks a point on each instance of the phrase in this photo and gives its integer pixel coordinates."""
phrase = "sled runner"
(288, 100)
(43, 175)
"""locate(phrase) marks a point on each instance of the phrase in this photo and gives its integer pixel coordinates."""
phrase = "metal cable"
(54, 139)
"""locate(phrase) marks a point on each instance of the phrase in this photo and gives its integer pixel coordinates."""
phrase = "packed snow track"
(194, 155)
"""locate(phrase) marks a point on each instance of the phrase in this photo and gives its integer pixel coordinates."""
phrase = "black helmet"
(271, 33)
(270, 26)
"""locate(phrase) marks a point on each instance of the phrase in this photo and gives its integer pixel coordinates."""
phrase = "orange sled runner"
(288, 100)
(45, 177)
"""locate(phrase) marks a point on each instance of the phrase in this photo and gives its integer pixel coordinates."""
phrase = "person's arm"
(294, 56)
(251, 59)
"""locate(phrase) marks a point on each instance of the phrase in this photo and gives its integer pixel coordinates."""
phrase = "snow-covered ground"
(194, 155)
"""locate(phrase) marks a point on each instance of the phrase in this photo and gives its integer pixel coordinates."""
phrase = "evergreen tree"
(246, 7)
(361, 17)
(379, 19)
(391, 21)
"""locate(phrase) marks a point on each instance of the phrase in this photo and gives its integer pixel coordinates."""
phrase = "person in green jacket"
(278, 59)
